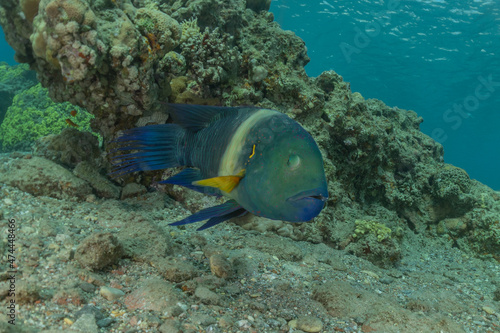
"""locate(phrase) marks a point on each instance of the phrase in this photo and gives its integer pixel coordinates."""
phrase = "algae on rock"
(33, 115)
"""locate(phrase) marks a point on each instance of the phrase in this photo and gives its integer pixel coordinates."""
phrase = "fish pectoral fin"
(223, 183)
(221, 212)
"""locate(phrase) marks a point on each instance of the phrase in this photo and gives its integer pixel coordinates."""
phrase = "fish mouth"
(313, 194)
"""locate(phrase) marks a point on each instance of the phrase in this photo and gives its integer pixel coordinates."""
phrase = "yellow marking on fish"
(253, 152)
(235, 147)
(223, 183)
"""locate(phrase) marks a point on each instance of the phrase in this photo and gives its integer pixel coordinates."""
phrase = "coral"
(174, 64)
(450, 182)
(258, 5)
(379, 230)
(374, 241)
(162, 31)
(190, 30)
(33, 115)
(210, 55)
(29, 8)
(13, 80)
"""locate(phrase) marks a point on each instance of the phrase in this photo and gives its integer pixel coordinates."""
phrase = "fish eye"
(293, 161)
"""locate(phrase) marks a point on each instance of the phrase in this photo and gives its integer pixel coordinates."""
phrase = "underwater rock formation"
(120, 59)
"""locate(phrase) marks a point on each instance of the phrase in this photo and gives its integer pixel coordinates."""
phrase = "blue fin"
(157, 147)
(208, 213)
(197, 117)
(186, 177)
(216, 220)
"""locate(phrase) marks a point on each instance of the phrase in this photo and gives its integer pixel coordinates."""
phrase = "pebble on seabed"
(307, 324)
(111, 294)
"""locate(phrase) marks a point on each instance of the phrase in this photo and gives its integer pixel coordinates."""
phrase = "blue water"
(425, 56)
(428, 56)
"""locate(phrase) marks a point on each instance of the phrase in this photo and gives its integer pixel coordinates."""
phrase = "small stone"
(488, 310)
(87, 287)
(105, 322)
(226, 321)
(111, 294)
(98, 251)
(8, 201)
(220, 266)
(206, 295)
(89, 309)
(170, 326)
(65, 296)
(86, 323)
(132, 190)
(372, 274)
(309, 324)
(386, 280)
(153, 294)
(175, 270)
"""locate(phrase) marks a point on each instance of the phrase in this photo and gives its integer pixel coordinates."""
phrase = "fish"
(71, 123)
(261, 160)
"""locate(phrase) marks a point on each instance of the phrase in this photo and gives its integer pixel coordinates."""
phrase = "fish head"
(285, 178)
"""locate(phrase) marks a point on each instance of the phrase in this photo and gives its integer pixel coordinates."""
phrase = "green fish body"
(262, 160)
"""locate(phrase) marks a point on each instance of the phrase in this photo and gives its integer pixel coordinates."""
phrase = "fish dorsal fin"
(223, 183)
(196, 117)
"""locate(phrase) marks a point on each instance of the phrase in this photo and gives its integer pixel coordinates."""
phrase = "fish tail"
(155, 147)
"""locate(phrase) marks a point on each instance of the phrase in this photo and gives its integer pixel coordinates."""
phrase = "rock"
(309, 324)
(102, 186)
(220, 266)
(153, 294)
(144, 241)
(207, 296)
(175, 270)
(65, 296)
(203, 320)
(488, 310)
(132, 190)
(86, 324)
(87, 287)
(69, 147)
(226, 321)
(27, 292)
(105, 322)
(111, 294)
(89, 309)
(98, 251)
(40, 176)
(170, 326)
